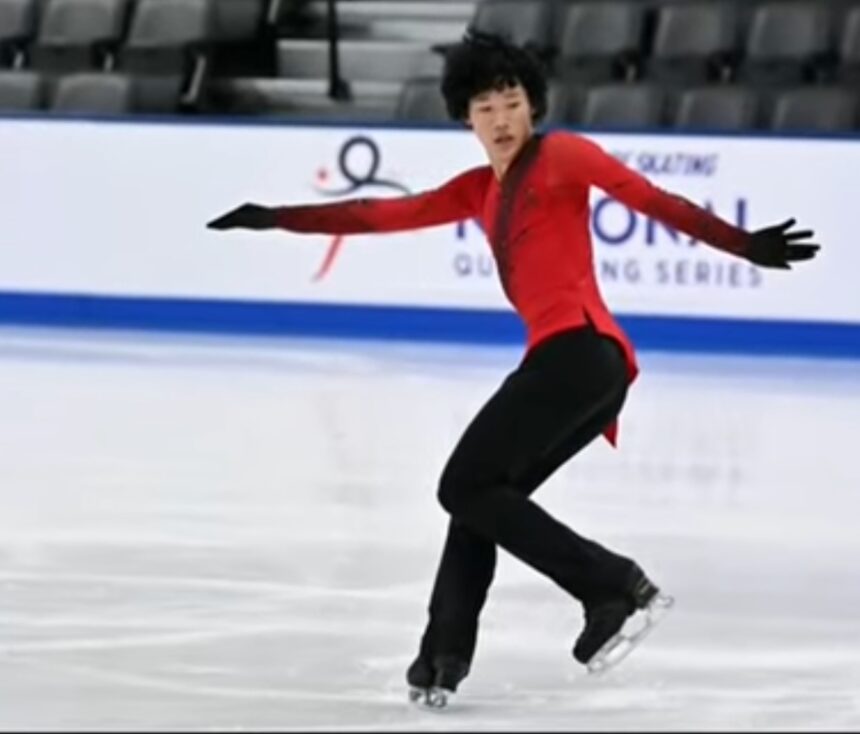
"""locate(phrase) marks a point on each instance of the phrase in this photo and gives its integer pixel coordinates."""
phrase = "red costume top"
(537, 223)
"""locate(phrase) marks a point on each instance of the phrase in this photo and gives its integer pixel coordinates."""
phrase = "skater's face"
(503, 121)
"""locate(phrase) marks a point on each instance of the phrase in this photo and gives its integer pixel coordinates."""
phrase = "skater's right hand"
(246, 216)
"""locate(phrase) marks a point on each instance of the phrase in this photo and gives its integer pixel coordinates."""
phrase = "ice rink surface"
(211, 534)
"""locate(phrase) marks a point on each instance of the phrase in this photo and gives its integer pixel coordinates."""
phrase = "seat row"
(96, 93)
(75, 35)
(755, 41)
(643, 106)
(608, 106)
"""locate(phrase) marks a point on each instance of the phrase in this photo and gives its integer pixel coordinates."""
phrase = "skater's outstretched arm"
(456, 200)
(774, 246)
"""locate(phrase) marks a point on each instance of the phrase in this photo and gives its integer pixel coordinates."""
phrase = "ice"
(214, 534)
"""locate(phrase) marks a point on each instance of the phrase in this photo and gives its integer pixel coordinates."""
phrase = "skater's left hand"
(776, 247)
(246, 216)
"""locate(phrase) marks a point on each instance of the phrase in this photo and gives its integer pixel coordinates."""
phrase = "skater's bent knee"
(447, 496)
(460, 487)
(453, 496)
(449, 490)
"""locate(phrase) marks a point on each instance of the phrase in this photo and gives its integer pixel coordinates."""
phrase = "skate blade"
(430, 699)
(624, 642)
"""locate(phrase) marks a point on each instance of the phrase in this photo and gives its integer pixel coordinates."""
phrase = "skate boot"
(606, 639)
(432, 683)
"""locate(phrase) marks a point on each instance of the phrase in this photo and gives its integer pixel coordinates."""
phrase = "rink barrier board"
(253, 318)
(58, 304)
(643, 268)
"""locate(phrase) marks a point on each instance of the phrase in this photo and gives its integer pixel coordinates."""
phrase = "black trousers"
(563, 395)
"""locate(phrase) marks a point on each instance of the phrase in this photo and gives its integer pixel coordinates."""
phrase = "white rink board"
(118, 209)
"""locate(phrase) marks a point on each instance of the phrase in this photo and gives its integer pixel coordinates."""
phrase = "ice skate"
(615, 627)
(432, 684)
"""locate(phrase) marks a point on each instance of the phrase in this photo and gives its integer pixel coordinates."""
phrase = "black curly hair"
(482, 62)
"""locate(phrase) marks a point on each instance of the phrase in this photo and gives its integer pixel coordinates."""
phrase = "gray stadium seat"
(164, 33)
(421, 100)
(564, 102)
(237, 20)
(821, 109)
(601, 40)
(164, 95)
(693, 42)
(101, 93)
(93, 93)
(785, 42)
(79, 34)
(17, 27)
(624, 106)
(21, 91)
(848, 69)
(525, 22)
(717, 108)
(170, 39)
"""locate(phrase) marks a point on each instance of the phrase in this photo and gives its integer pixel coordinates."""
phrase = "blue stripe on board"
(687, 334)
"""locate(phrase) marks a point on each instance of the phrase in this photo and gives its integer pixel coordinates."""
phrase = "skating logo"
(359, 176)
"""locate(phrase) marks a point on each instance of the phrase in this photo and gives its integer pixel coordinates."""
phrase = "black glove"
(776, 247)
(247, 216)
